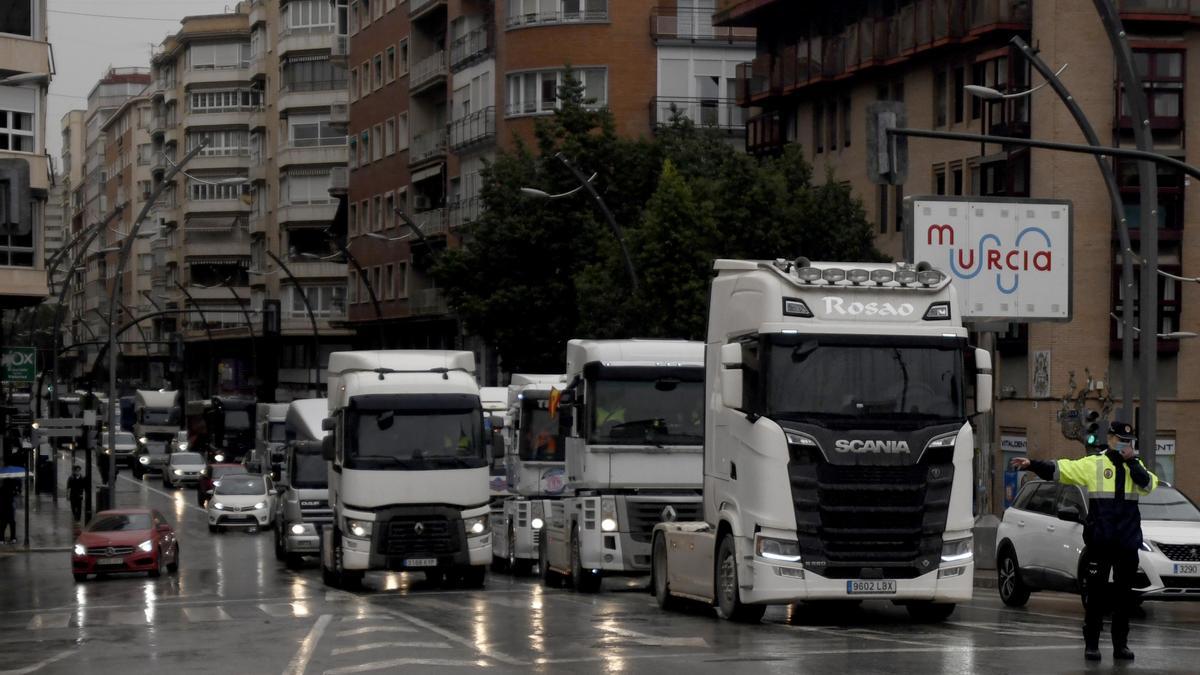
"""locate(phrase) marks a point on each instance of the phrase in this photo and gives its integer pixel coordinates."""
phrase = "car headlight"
(260, 505)
(1148, 546)
(777, 549)
(178, 472)
(218, 458)
(146, 546)
(608, 525)
(218, 506)
(537, 523)
(358, 529)
(476, 526)
(144, 459)
(143, 440)
(956, 552)
(80, 549)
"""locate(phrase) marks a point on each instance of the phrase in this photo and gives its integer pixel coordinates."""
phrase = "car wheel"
(173, 566)
(161, 568)
(80, 577)
(658, 575)
(729, 601)
(1013, 591)
(584, 581)
(930, 612)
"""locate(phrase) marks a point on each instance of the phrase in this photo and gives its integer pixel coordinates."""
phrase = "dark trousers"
(8, 522)
(1102, 595)
(77, 507)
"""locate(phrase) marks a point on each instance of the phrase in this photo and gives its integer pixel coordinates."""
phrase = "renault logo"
(668, 514)
(419, 528)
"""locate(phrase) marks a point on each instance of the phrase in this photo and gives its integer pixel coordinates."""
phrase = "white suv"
(1040, 542)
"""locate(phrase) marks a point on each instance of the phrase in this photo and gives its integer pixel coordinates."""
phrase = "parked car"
(242, 500)
(184, 468)
(126, 540)
(1039, 545)
(125, 447)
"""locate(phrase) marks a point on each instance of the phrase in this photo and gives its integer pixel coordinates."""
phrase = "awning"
(211, 223)
(430, 172)
(301, 58)
(240, 261)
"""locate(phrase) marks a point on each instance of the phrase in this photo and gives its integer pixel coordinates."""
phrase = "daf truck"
(303, 504)
(535, 463)
(631, 415)
(408, 475)
(837, 448)
(157, 417)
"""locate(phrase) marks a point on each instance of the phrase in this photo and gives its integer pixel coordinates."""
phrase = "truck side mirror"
(328, 448)
(983, 381)
(731, 375)
(328, 424)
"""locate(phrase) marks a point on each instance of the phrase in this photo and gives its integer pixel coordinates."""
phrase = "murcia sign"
(1008, 259)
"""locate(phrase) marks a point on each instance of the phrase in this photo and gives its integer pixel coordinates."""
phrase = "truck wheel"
(550, 578)
(473, 576)
(1013, 591)
(658, 575)
(930, 612)
(584, 581)
(516, 566)
(729, 601)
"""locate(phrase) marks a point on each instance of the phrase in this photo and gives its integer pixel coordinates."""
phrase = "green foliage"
(533, 273)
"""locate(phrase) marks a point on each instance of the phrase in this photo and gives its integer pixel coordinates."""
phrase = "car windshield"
(1167, 503)
(124, 438)
(277, 432)
(187, 458)
(659, 411)
(309, 471)
(218, 471)
(120, 522)
(237, 419)
(159, 416)
(539, 436)
(828, 378)
(415, 439)
(242, 485)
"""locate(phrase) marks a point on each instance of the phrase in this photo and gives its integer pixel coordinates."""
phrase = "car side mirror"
(328, 448)
(328, 424)
(1070, 514)
(983, 381)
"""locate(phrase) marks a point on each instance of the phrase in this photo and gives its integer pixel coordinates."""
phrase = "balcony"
(477, 128)
(428, 72)
(339, 49)
(306, 39)
(427, 147)
(464, 211)
(765, 134)
(234, 117)
(432, 223)
(310, 269)
(427, 301)
(689, 25)
(210, 206)
(216, 242)
(235, 74)
(1158, 10)
(306, 213)
(552, 17)
(238, 160)
(312, 94)
(712, 113)
(339, 181)
(470, 48)
(339, 115)
(300, 153)
(419, 8)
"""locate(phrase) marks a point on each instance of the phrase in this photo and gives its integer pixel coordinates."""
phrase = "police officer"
(1113, 532)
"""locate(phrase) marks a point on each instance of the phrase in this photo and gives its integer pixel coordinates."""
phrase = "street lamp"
(990, 94)
(542, 194)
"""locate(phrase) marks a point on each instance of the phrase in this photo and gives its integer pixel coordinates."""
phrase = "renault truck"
(157, 417)
(631, 415)
(302, 509)
(408, 474)
(535, 464)
(837, 447)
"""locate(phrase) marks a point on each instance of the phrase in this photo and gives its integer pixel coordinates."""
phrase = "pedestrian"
(204, 487)
(1112, 534)
(76, 489)
(8, 510)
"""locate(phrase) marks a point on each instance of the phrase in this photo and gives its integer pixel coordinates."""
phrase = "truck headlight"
(537, 523)
(146, 546)
(608, 514)
(144, 459)
(218, 458)
(777, 549)
(956, 552)
(80, 549)
(476, 526)
(608, 525)
(358, 529)
(182, 445)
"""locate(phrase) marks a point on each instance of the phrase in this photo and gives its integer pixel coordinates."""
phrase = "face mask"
(1122, 445)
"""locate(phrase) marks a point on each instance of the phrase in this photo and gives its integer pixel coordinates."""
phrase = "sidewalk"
(51, 528)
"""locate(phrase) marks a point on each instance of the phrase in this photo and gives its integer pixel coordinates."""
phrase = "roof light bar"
(808, 274)
(882, 276)
(833, 275)
(858, 276)
(929, 277)
(906, 277)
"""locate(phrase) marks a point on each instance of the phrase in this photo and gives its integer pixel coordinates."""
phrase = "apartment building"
(55, 230)
(436, 86)
(818, 67)
(25, 171)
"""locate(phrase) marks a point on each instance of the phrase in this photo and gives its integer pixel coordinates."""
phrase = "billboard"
(19, 364)
(1008, 258)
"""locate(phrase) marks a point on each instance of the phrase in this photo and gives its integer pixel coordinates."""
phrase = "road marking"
(395, 663)
(284, 610)
(375, 629)
(168, 495)
(136, 618)
(299, 662)
(381, 645)
(206, 614)
(434, 603)
(465, 641)
(850, 634)
(37, 666)
(54, 620)
(653, 640)
(1076, 617)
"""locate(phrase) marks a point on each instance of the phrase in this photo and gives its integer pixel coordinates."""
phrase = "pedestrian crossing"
(159, 615)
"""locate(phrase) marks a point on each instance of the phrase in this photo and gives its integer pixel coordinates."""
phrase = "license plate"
(870, 586)
(421, 562)
(1187, 569)
(111, 561)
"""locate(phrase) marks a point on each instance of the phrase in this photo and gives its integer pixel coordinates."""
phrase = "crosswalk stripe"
(137, 618)
(283, 610)
(395, 663)
(206, 614)
(376, 629)
(49, 620)
(381, 645)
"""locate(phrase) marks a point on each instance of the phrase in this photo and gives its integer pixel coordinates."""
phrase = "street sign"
(1009, 259)
(887, 155)
(19, 364)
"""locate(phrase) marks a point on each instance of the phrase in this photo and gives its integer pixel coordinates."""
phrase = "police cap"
(1122, 430)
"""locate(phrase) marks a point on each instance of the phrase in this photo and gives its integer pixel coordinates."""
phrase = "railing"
(427, 146)
(719, 113)
(313, 85)
(428, 301)
(427, 70)
(764, 134)
(306, 30)
(432, 222)
(469, 47)
(475, 128)
(552, 17)
(983, 13)
(324, 141)
(464, 211)
(672, 23)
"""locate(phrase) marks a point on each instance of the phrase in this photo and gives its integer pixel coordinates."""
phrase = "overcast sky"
(85, 46)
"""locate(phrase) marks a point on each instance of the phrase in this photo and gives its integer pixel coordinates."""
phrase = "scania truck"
(157, 417)
(408, 476)
(837, 449)
(632, 418)
(535, 463)
(303, 504)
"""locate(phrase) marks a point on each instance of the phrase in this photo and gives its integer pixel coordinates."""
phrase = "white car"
(1040, 542)
(243, 501)
(184, 468)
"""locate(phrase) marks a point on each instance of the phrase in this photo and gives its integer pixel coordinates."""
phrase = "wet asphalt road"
(233, 609)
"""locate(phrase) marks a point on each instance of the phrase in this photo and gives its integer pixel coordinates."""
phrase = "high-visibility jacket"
(1113, 486)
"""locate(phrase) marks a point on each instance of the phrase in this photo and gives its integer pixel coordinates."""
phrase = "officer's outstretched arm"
(1072, 471)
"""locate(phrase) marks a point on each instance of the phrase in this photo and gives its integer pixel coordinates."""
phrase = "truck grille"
(316, 511)
(437, 536)
(643, 516)
(1181, 552)
(887, 520)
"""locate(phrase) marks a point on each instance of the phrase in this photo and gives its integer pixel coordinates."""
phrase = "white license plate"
(421, 562)
(870, 586)
(111, 561)
(1187, 569)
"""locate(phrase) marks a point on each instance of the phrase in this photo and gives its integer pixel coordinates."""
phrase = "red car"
(126, 540)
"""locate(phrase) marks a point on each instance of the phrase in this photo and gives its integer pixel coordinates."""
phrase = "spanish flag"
(555, 397)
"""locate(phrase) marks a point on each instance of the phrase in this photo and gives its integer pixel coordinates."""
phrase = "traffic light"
(1093, 437)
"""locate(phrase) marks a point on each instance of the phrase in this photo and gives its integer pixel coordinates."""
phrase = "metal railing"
(313, 85)
(432, 222)
(1169, 7)
(474, 128)
(464, 211)
(428, 69)
(551, 17)
(427, 146)
(470, 46)
(428, 301)
(692, 24)
(718, 113)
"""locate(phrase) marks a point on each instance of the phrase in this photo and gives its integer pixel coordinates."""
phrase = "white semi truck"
(408, 479)
(632, 417)
(158, 417)
(535, 463)
(837, 449)
(302, 509)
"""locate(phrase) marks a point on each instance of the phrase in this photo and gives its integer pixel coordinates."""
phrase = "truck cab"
(269, 436)
(408, 475)
(158, 416)
(495, 419)
(303, 505)
(230, 424)
(631, 415)
(837, 450)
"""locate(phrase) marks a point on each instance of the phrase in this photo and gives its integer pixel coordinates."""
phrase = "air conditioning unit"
(422, 203)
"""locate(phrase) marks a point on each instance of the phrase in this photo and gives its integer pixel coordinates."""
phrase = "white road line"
(434, 603)
(206, 614)
(465, 641)
(382, 645)
(375, 629)
(1076, 617)
(654, 640)
(847, 635)
(395, 663)
(49, 620)
(39, 665)
(281, 610)
(299, 662)
(168, 495)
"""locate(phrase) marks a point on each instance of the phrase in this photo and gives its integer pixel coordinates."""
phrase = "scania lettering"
(408, 474)
(303, 506)
(632, 419)
(837, 451)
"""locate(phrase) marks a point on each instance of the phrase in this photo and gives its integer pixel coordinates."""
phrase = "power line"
(112, 16)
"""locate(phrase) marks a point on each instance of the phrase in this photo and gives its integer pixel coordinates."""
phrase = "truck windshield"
(276, 432)
(540, 441)
(861, 379)
(159, 416)
(309, 471)
(415, 439)
(658, 411)
(237, 420)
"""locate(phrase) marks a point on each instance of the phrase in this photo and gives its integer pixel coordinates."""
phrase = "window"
(389, 64)
(532, 12)
(939, 181)
(898, 207)
(377, 5)
(219, 55)
(377, 70)
(377, 143)
(391, 4)
(303, 187)
(1162, 74)
(402, 131)
(308, 15)
(389, 280)
(309, 73)
(846, 121)
(354, 84)
(352, 287)
(402, 58)
(17, 18)
(352, 218)
(957, 180)
(364, 7)
(326, 301)
(402, 280)
(17, 108)
(1170, 293)
(307, 130)
(353, 142)
(377, 211)
(979, 78)
(1170, 195)
(364, 148)
(831, 117)
(389, 210)
(960, 81)
(939, 98)
(364, 78)
(364, 215)
(225, 100)
(209, 191)
(536, 92)
(818, 128)
(389, 136)
(881, 206)
(221, 142)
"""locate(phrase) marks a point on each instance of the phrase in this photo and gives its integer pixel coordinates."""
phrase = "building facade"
(818, 68)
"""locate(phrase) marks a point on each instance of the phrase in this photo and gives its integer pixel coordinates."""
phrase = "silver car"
(124, 448)
(184, 468)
